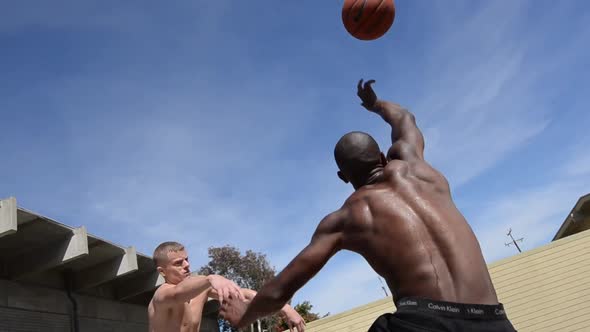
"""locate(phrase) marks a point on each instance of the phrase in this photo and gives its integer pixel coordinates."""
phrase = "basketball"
(368, 19)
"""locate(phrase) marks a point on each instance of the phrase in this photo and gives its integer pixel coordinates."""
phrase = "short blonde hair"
(161, 251)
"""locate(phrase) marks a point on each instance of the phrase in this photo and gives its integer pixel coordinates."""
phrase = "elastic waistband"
(459, 310)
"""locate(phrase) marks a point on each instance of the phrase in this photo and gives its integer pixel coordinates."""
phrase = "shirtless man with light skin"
(402, 219)
(178, 304)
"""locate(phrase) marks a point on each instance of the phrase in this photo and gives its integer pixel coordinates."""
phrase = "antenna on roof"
(383, 287)
(513, 240)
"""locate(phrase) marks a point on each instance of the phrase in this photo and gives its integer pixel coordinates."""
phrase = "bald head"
(357, 154)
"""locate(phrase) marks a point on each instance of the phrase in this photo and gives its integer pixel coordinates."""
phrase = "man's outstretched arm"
(325, 242)
(291, 316)
(192, 286)
(406, 138)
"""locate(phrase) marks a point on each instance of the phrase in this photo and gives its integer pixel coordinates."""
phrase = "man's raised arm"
(325, 242)
(407, 140)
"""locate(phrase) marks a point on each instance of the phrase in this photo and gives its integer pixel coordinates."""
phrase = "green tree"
(304, 309)
(250, 270)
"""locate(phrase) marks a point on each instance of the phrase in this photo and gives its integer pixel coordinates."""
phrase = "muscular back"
(408, 229)
(401, 219)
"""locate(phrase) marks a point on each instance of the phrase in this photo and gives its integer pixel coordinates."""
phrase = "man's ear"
(342, 177)
(383, 159)
(161, 271)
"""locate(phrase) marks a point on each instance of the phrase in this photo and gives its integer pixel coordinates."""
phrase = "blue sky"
(213, 123)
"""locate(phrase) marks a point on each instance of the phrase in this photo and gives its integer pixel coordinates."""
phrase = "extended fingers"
(235, 291)
(238, 293)
(222, 295)
(367, 84)
(300, 326)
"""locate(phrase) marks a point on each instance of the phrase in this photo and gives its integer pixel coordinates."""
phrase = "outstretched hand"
(294, 320)
(367, 95)
(233, 310)
(224, 288)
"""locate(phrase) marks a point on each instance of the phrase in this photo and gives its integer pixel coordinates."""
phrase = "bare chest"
(187, 317)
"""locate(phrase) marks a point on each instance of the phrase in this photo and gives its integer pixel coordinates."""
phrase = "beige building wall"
(548, 288)
(545, 289)
(358, 319)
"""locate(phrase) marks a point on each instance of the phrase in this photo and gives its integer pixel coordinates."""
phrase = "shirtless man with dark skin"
(177, 305)
(403, 221)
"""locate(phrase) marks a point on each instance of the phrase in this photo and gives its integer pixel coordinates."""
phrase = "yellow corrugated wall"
(358, 319)
(548, 288)
(545, 289)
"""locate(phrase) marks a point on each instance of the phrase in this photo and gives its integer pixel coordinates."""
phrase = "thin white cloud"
(196, 167)
(534, 214)
(187, 160)
(578, 163)
(62, 14)
(478, 106)
(580, 166)
(112, 16)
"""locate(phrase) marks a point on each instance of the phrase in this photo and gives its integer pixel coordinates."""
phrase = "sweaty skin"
(177, 305)
(183, 317)
(401, 219)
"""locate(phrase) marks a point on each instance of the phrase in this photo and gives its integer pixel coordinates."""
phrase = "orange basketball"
(368, 19)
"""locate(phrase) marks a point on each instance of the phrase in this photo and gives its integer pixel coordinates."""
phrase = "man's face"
(177, 268)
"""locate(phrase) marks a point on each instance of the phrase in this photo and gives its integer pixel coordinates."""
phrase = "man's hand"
(233, 310)
(224, 288)
(367, 95)
(293, 319)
